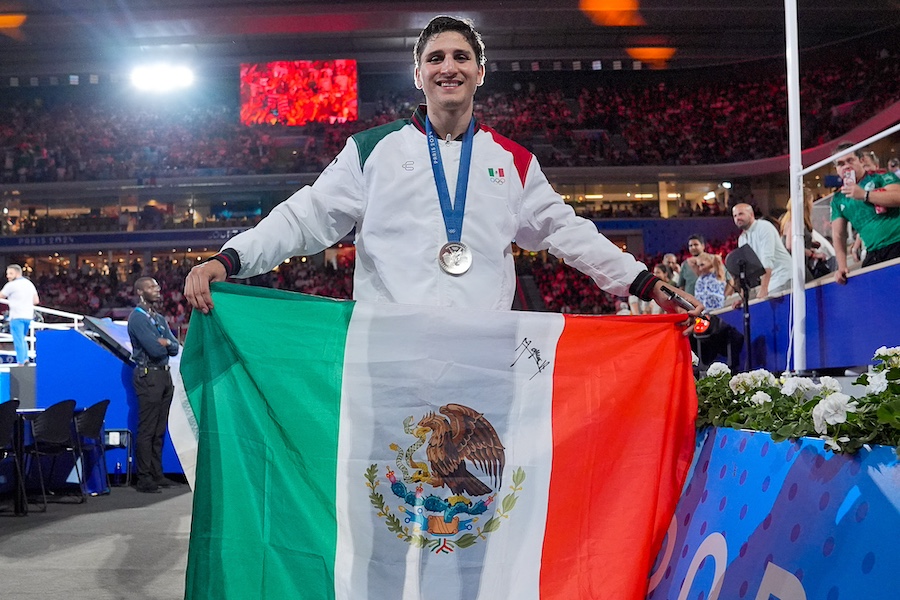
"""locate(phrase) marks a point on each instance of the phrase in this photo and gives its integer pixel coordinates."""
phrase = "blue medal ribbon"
(455, 211)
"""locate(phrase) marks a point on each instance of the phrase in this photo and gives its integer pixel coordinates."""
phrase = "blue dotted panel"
(831, 521)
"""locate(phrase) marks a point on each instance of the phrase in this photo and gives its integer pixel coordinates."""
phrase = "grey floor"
(124, 545)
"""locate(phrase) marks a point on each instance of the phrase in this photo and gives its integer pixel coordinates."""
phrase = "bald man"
(766, 243)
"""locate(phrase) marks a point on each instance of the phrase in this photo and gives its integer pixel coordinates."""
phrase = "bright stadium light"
(161, 78)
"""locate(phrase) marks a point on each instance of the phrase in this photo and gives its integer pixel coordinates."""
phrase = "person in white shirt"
(418, 242)
(766, 243)
(21, 296)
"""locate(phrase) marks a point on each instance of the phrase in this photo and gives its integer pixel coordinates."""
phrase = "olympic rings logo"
(498, 180)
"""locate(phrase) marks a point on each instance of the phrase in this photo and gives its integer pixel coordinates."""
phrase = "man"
(671, 261)
(21, 296)
(869, 202)
(152, 344)
(418, 242)
(765, 241)
(688, 278)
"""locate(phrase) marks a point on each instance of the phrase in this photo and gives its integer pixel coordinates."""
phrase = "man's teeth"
(449, 84)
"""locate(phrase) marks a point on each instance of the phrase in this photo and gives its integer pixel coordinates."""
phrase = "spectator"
(21, 296)
(763, 238)
(688, 271)
(820, 260)
(869, 202)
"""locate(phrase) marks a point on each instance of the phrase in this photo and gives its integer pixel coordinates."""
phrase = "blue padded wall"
(71, 365)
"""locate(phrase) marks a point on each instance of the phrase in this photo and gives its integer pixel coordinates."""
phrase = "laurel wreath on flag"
(417, 538)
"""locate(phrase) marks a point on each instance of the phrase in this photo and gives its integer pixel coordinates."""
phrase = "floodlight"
(161, 78)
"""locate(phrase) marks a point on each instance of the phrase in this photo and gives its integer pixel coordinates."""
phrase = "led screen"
(297, 92)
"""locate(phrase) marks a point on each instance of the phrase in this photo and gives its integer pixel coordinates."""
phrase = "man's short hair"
(697, 237)
(443, 24)
(141, 282)
(15, 267)
(844, 145)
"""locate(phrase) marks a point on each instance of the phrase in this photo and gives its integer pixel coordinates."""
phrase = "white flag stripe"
(389, 376)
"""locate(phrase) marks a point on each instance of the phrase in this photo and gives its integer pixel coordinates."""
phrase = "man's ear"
(417, 79)
(481, 74)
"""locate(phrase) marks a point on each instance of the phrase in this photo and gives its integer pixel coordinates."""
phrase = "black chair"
(8, 418)
(90, 435)
(52, 436)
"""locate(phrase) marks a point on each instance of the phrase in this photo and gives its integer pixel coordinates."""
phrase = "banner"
(790, 520)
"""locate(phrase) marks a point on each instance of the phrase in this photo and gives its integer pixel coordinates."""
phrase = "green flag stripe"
(271, 490)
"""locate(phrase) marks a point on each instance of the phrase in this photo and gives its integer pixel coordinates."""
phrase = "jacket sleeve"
(548, 223)
(143, 329)
(311, 220)
(172, 348)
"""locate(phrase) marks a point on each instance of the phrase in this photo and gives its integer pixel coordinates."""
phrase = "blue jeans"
(18, 328)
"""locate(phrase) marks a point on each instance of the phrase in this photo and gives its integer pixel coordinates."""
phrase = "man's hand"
(852, 190)
(196, 285)
(840, 275)
(667, 296)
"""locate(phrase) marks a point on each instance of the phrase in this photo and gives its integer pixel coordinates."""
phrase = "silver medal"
(455, 258)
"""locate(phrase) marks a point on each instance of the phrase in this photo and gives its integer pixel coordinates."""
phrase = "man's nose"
(449, 65)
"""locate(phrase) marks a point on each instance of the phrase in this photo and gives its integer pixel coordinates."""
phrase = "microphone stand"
(745, 292)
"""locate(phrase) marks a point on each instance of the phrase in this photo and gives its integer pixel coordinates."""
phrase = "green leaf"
(889, 414)
(509, 503)
(518, 476)
(466, 540)
(493, 524)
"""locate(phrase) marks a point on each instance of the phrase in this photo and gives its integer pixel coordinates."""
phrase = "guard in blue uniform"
(152, 344)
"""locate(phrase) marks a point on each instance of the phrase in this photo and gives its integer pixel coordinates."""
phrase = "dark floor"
(124, 545)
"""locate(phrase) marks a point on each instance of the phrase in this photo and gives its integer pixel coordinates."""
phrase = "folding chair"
(8, 419)
(90, 437)
(52, 436)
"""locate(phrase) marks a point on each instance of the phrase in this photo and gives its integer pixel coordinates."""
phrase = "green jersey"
(876, 231)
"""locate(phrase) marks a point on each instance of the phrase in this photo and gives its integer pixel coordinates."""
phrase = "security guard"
(152, 344)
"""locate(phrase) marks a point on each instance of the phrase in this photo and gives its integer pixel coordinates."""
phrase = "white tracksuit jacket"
(382, 184)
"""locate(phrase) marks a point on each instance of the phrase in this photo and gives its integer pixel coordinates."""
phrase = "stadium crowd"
(102, 292)
(658, 120)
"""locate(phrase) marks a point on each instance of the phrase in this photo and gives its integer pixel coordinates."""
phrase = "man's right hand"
(840, 275)
(196, 285)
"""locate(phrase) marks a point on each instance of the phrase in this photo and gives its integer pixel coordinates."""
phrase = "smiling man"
(436, 201)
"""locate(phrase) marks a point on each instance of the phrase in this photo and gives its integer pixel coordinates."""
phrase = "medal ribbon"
(453, 213)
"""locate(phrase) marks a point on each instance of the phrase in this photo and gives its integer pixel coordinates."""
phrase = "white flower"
(717, 369)
(833, 444)
(832, 410)
(760, 398)
(798, 387)
(878, 382)
(743, 383)
(890, 356)
(829, 385)
(695, 360)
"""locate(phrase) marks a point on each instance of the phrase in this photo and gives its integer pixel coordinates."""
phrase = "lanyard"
(453, 213)
(159, 328)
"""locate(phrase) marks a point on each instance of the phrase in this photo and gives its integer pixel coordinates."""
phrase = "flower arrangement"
(793, 407)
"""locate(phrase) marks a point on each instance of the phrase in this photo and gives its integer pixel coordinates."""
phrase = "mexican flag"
(358, 451)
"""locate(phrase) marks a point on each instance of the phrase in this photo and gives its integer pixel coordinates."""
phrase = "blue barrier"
(845, 324)
(789, 519)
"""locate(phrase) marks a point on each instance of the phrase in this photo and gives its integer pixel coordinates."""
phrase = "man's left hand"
(664, 295)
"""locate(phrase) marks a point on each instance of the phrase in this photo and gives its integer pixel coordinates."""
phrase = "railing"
(76, 319)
